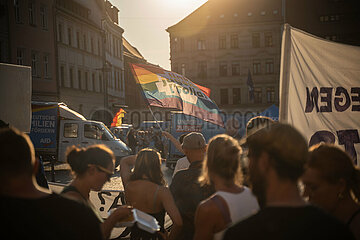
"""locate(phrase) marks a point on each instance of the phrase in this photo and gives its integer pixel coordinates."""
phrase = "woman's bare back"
(144, 195)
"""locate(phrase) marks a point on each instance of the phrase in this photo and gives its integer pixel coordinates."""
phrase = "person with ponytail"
(93, 167)
(332, 182)
(232, 201)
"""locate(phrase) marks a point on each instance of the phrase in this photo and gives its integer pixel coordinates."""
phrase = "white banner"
(320, 89)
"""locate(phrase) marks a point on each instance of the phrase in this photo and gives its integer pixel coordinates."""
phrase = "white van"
(86, 133)
(55, 127)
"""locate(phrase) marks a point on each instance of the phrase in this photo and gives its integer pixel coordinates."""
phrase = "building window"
(46, 66)
(60, 30)
(175, 68)
(71, 77)
(182, 45)
(114, 45)
(270, 94)
(183, 69)
(224, 96)
(92, 45)
(201, 45)
(32, 13)
(236, 96)
(268, 40)
(269, 65)
(20, 56)
(222, 41)
(119, 77)
(119, 81)
(330, 18)
(256, 68)
(234, 41)
(86, 86)
(100, 83)
(256, 40)
(235, 69)
(120, 47)
(78, 39)
(85, 41)
(43, 17)
(79, 79)
(69, 36)
(223, 69)
(202, 69)
(98, 47)
(17, 11)
(257, 95)
(93, 82)
(116, 79)
(34, 69)
(333, 38)
(174, 44)
(122, 83)
(62, 76)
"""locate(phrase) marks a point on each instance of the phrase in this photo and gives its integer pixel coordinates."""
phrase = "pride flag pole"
(155, 118)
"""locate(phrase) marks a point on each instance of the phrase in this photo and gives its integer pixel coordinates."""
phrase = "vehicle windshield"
(109, 134)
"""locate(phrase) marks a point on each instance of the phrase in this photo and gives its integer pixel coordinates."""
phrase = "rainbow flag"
(168, 89)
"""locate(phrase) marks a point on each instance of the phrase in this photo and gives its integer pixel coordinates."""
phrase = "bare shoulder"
(164, 191)
(207, 207)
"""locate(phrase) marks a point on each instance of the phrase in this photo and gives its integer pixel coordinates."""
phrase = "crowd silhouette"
(267, 185)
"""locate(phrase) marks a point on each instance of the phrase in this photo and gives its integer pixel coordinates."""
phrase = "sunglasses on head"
(109, 173)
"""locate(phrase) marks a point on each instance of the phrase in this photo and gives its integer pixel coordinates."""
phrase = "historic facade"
(114, 57)
(80, 56)
(27, 38)
(90, 57)
(224, 43)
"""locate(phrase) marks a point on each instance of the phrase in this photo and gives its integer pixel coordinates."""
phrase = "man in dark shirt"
(185, 188)
(30, 211)
(277, 155)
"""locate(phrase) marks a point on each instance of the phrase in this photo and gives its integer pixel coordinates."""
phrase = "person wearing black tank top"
(332, 182)
(145, 190)
(93, 167)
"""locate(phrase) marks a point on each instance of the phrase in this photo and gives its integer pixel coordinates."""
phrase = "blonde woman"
(232, 201)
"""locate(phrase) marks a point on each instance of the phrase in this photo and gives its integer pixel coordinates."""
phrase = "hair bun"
(74, 156)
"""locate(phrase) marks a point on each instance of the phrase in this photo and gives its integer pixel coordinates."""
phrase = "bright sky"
(145, 23)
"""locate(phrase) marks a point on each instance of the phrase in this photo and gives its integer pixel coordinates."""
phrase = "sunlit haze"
(145, 23)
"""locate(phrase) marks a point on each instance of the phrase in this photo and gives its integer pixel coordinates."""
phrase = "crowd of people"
(268, 185)
(147, 138)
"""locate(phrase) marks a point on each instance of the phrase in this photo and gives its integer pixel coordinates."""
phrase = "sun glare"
(184, 3)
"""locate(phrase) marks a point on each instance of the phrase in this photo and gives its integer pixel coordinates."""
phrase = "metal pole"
(154, 117)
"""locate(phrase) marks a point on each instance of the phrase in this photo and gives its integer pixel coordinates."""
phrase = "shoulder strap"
(352, 217)
(70, 188)
(221, 204)
(155, 197)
